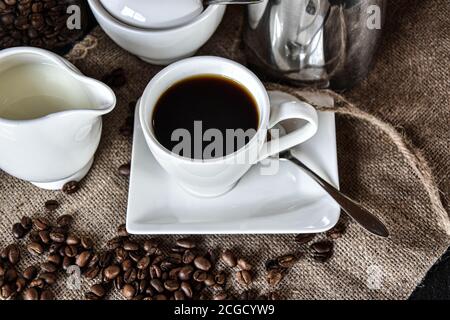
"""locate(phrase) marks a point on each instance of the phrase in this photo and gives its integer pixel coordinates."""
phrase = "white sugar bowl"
(158, 34)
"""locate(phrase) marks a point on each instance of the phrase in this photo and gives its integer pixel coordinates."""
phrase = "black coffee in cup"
(217, 110)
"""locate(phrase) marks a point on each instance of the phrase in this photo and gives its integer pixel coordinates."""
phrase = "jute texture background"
(393, 149)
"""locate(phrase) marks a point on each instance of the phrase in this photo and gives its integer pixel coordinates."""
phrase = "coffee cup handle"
(285, 107)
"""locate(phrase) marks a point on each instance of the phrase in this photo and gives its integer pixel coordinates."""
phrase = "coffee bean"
(47, 295)
(14, 255)
(44, 236)
(122, 231)
(31, 294)
(98, 290)
(30, 273)
(273, 296)
(49, 277)
(322, 247)
(115, 243)
(274, 277)
(157, 285)
(188, 257)
(105, 259)
(41, 223)
(71, 187)
(67, 262)
(64, 221)
(171, 285)
(130, 246)
(91, 296)
(26, 223)
(49, 267)
(202, 263)
(72, 239)
(10, 2)
(125, 169)
(37, 283)
(244, 277)
(128, 291)
(304, 238)
(11, 275)
(220, 278)
(55, 259)
(87, 243)
(209, 281)
(220, 296)
(187, 289)
(143, 263)
(149, 245)
(228, 258)
(179, 295)
(7, 291)
(185, 273)
(186, 243)
(20, 284)
(51, 205)
(199, 276)
(18, 231)
(130, 275)
(111, 272)
(287, 261)
(155, 272)
(135, 255)
(94, 260)
(323, 257)
(83, 259)
(57, 237)
(70, 251)
(244, 264)
(337, 232)
(35, 248)
(92, 272)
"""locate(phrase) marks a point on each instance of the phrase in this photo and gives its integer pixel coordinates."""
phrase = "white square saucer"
(288, 202)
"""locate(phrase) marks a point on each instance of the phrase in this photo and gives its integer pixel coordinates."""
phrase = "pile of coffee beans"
(139, 269)
(39, 23)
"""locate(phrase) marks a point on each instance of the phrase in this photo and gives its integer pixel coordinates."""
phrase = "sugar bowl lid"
(154, 14)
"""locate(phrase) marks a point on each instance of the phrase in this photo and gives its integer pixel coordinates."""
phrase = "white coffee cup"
(214, 177)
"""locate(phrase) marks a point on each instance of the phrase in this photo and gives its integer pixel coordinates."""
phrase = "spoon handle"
(363, 217)
(211, 2)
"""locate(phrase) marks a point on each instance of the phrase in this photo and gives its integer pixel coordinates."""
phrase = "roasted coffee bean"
(143, 263)
(244, 277)
(323, 257)
(41, 223)
(83, 259)
(175, 258)
(337, 232)
(173, 274)
(247, 295)
(199, 276)
(128, 291)
(322, 247)
(87, 243)
(11, 275)
(70, 251)
(49, 267)
(49, 277)
(127, 264)
(119, 283)
(160, 297)
(64, 221)
(157, 285)
(72, 239)
(35, 248)
(5, 252)
(185, 273)
(179, 295)
(209, 281)
(26, 223)
(188, 257)
(105, 259)
(122, 231)
(220, 296)
(37, 283)
(142, 274)
(30, 273)
(14, 254)
(220, 278)
(273, 296)
(171, 285)
(115, 243)
(57, 237)
(272, 264)
(187, 289)
(98, 289)
(67, 262)
(51, 205)
(274, 277)
(304, 238)
(94, 260)
(130, 275)
(186, 243)
(91, 296)
(31, 294)
(111, 272)
(243, 264)
(71, 187)
(55, 248)
(135, 255)
(287, 261)
(149, 245)
(202, 263)
(228, 258)
(8, 291)
(130, 245)
(155, 272)
(92, 272)
(47, 295)
(125, 169)
(44, 236)
(55, 259)
(34, 236)
(121, 255)
(115, 79)
(18, 231)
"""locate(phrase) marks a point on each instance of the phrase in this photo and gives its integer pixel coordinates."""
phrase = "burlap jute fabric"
(393, 154)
